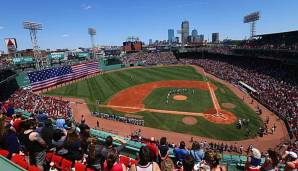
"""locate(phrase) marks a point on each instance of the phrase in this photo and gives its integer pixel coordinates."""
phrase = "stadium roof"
(278, 34)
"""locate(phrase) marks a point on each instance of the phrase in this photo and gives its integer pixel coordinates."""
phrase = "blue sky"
(66, 21)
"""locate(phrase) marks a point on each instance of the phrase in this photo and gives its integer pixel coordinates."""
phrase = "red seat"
(124, 160)
(56, 160)
(66, 165)
(80, 167)
(20, 160)
(17, 157)
(23, 163)
(33, 168)
(88, 169)
(4, 153)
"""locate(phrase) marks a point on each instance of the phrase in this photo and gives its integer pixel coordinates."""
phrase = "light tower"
(33, 27)
(252, 18)
(92, 33)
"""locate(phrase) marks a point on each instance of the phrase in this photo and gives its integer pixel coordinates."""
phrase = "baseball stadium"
(188, 105)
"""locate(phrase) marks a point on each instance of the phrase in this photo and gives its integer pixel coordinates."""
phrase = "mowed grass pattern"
(200, 101)
(104, 86)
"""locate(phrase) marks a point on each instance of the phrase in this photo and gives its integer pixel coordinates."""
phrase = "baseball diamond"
(144, 91)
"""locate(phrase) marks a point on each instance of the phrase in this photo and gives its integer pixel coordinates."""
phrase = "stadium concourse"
(69, 144)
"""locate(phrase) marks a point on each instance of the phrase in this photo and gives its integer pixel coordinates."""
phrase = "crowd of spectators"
(273, 45)
(33, 103)
(207, 156)
(154, 58)
(293, 47)
(276, 86)
(119, 118)
(221, 147)
(72, 141)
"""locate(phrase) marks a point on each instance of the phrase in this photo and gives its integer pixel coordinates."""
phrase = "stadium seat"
(66, 165)
(4, 153)
(20, 160)
(79, 167)
(33, 168)
(235, 158)
(56, 160)
(124, 160)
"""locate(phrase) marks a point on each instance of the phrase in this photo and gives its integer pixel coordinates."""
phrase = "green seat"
(235, 158)
(227, 157)
(243, 159)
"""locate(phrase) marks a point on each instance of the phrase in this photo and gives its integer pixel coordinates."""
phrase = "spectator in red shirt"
(153, 149)
(17, 122)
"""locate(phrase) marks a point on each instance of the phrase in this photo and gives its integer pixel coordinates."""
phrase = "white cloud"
(1, 27)
(65, 35)
(86, 7)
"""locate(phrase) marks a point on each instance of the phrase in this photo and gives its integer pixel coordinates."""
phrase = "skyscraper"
(194, 33)
(184, 32)
(194, 36)
(171, 35)
(215, 37)
(201, 37)
(150, 42)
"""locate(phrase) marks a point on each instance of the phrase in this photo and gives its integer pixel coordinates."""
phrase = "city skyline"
(65, 24)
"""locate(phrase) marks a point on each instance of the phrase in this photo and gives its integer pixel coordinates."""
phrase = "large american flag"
(53, 76)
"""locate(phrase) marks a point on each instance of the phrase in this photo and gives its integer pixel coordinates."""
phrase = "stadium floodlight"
(252, 18)
(92, 33)
(33, 27)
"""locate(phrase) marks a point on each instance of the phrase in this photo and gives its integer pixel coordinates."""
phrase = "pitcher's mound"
(229, 105)
(179, 97)
(188, 120)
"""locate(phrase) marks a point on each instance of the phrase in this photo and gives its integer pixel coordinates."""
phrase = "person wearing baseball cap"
(291, 160)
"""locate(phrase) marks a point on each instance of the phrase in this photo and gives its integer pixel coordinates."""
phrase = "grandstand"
(231, 156)
(230, 105)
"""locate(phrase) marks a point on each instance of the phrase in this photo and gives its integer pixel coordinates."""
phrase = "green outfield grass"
(200, 101)
(104, 86)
